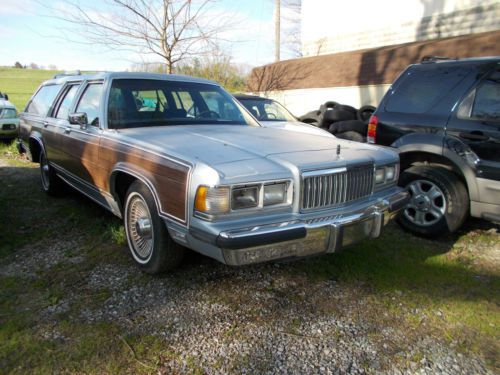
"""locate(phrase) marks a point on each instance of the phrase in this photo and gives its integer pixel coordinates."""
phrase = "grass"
(20, 84)
(448, 289)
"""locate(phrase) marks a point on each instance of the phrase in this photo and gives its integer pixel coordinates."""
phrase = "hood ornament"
(338, 150)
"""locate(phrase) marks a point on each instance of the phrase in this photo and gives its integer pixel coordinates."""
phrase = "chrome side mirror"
(79, 118)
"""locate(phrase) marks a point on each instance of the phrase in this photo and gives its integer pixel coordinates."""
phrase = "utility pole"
(277, 30)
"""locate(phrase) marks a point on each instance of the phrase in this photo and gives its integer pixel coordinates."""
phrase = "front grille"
(330, 188)
(8, 127)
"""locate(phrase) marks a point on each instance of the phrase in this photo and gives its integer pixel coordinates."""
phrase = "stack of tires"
(341, 120)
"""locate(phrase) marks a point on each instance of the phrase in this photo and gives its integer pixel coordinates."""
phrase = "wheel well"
(35, 149)
(122, 182)
(421, 158)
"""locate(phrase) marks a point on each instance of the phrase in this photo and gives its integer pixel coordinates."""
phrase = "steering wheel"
(271, 116)
(211, 114)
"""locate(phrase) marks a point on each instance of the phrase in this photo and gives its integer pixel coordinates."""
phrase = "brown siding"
(169, 178)
(366, 67)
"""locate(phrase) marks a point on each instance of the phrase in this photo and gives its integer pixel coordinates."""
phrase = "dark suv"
(444, 118)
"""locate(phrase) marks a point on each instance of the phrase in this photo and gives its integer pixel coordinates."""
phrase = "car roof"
(4, 103)
(127, 75)
(249, 97)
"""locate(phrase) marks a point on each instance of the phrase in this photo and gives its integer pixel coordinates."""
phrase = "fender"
(145, 177)
(456, 152)
(37, 137)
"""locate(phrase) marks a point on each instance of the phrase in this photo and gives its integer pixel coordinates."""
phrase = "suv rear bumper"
(300, 238)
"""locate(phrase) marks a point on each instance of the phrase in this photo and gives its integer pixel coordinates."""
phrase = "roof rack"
(66, 74)
(432, 58)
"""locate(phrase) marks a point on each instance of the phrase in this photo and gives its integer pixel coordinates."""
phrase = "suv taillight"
(372, 129)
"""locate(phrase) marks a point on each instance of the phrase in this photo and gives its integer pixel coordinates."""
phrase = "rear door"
(476, 122)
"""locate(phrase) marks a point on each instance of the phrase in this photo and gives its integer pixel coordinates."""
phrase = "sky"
(28, 34)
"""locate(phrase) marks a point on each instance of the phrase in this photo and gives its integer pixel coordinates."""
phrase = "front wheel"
(148, 239)
(439, 202)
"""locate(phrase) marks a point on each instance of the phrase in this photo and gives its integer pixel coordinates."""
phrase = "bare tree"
(170, 30)
(277, 77)
(291, 28)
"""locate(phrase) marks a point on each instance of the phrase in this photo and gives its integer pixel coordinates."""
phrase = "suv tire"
(147, 236)
(51, 183)
(439, 201)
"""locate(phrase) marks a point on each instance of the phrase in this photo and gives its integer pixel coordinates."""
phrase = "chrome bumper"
(300, 238)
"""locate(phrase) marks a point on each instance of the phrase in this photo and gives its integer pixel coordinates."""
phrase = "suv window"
(487, 99)
(422, 86)
(89, 103)
(64, 106)
(43, 99)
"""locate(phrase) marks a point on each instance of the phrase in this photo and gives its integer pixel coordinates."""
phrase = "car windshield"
(143, 102)
(267, 110)
(8, 113)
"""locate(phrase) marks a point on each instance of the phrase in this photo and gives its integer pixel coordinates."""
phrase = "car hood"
(296, 126)
(230, 148)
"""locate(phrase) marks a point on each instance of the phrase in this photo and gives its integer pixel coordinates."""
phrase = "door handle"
(474, 136)
(67, 129)
(45, 124)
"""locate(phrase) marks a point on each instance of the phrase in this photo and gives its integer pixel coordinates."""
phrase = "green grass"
(20, 84)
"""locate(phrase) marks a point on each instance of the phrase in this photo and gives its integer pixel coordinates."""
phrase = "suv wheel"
(147, 237)
(51, 184)
(439, 201)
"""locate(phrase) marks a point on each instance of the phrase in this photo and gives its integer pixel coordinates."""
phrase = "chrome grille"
(330, 188)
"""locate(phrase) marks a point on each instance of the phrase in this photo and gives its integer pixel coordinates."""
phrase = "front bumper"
(301, 238)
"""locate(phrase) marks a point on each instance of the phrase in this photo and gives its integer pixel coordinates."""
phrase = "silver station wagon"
(186, 165)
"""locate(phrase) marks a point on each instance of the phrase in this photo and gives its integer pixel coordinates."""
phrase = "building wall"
(333, 26)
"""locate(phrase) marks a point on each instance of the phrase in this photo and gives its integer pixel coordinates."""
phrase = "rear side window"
(43, 100)
(63, 110)
(487, 101)
(422, 87)
(89, 103)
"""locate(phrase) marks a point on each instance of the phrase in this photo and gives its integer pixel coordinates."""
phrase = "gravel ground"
(245, 320)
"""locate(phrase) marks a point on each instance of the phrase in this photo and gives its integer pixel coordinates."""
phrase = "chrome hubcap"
(139, 227)
(427, 204)
(45, 171)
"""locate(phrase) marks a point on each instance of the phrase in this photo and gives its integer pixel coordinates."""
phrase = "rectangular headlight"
(275, 193)
(380, 175)
(245, 197)
(390, 173)
(212, 200)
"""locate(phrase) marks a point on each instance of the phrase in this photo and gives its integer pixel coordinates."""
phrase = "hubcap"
(139, 228)
(427, 204)
(45, 171)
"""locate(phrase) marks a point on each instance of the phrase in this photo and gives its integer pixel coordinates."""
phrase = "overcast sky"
(28, 35)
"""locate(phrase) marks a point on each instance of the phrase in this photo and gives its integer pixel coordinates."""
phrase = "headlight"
(212, 200)
(275, 193)
(386, 174)
(245, 197)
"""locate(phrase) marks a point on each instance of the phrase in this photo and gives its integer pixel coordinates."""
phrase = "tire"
(439, 201)
(347, 108)
(327, 105)
(335, 115)
(147, 236)
(351, 136)
(365, 112)
(348, 126)
(51, 183)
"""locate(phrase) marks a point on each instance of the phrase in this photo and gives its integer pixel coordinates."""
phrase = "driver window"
(90, 102)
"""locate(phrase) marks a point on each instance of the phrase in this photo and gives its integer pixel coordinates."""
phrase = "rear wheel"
(439, 201)
(51, 184)
(147, 237)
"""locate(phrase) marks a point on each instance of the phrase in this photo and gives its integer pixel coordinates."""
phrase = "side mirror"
(6, 96)
(79, 118)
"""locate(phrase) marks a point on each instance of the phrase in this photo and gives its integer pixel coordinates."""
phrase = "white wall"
(302, 101)
(337, 26)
